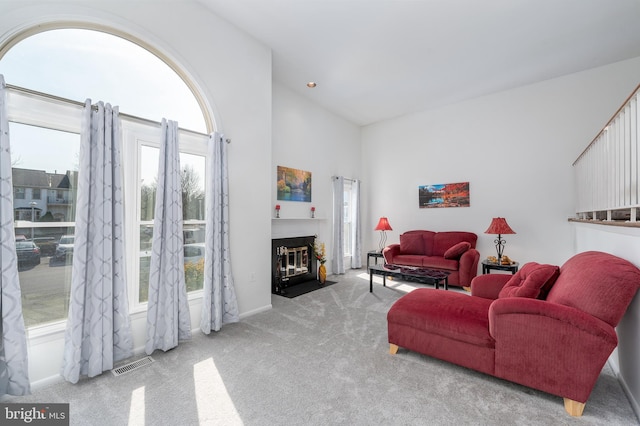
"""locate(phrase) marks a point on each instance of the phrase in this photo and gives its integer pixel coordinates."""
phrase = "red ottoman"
(447, 325)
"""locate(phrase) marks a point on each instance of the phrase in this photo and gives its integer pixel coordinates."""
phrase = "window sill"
(54, 330)
(141, 308)
(51, 330)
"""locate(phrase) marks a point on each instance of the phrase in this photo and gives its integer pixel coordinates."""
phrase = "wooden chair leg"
(393, 349)
(574, 408)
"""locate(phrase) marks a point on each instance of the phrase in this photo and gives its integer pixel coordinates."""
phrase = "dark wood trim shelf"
(621, 223)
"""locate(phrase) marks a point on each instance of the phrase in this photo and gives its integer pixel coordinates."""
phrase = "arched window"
(79, 63)
(64, 67)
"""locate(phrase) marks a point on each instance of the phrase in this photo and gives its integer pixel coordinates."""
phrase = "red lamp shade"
(383, 225)
(499, 226)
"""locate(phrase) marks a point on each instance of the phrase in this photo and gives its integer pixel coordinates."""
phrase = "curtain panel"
(356, 234)
(337, 245)
(98, 329)
(168, 319)
(219, 304)
(14, 375)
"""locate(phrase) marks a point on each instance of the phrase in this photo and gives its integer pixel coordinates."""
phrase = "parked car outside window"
(28, 253)
(64, 250)
(193, 252)
(47, 245)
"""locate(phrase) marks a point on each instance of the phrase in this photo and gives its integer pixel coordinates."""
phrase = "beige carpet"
(319, 359)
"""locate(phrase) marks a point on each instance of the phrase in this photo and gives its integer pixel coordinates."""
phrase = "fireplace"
(292, 262)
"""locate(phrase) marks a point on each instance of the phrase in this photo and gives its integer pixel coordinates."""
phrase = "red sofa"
(452, 251)
(509, 327)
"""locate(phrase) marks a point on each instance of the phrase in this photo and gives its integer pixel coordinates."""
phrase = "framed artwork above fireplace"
(293, 184)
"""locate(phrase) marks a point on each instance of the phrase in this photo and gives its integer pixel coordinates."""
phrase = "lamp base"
(500, 242)
(383, 241)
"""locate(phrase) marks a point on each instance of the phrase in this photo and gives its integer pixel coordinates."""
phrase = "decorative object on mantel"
(383, 226)
(313, 212)
(320, 255)
(499, 226)
(277, 210)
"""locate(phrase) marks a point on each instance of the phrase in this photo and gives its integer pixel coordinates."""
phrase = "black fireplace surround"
(292, 262)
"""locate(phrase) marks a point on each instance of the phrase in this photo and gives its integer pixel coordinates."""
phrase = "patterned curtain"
(14, 375)
(337, 250)
(219, 304)
(98, 330)
(168, 318)
(356, 234)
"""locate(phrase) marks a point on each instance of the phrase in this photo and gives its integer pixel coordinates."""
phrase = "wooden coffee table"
(409, 273)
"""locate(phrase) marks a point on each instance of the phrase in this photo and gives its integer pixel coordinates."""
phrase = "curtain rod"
(350, 180)
(31, 92)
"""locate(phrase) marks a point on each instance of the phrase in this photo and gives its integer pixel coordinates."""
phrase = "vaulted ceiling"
(377, 59)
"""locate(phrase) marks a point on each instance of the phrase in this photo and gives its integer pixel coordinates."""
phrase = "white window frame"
(31, 108)
(135, 134)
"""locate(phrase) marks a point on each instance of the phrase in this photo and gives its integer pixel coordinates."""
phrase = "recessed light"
(311, 84)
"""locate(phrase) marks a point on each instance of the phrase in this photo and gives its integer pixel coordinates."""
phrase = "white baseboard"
(39, 384)
(256, 311)
(634, 404)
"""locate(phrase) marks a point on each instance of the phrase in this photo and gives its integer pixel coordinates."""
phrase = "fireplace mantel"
(286, 227)
(279, 219)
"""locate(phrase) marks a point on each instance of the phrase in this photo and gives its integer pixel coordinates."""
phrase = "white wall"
(308, 137)
(625, 243)
(233, 72)
(515, 148)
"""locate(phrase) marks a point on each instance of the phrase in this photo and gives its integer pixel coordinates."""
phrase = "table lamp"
(499, 226)
(383, 226)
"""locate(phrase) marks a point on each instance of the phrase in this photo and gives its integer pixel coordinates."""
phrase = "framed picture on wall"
(293, 184)
(444, 195)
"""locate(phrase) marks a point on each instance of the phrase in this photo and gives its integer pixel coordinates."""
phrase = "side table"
(375, 254)
(488, 266)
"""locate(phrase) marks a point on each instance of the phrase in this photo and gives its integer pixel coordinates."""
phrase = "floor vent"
(132, 366)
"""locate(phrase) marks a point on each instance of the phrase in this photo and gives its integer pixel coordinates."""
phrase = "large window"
(78, 64)
(192, 163)
(45, 158)
(45, 143)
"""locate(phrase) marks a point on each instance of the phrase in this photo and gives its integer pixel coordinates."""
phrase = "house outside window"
(18, 193)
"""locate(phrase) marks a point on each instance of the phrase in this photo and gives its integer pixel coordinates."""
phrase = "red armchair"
(510, 328)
